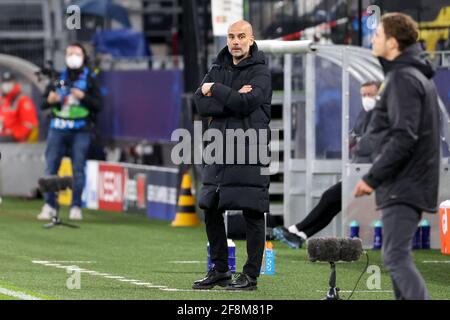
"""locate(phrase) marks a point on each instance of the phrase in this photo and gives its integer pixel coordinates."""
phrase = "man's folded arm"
(208, 106)
(244, 103)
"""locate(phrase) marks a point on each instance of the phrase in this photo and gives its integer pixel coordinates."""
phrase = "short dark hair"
(401, 27)
(79, 45)
(85, 54)
(372, 83)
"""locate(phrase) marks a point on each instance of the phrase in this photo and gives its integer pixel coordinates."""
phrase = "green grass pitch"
(157, 261)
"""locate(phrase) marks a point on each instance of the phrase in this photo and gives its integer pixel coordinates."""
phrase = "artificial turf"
(151, 251)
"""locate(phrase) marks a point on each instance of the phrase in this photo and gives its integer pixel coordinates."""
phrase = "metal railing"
(305, 177)
(441, 59)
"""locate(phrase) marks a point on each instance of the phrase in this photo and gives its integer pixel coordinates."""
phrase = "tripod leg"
(333, 292)
(56, 221)
(332, 282)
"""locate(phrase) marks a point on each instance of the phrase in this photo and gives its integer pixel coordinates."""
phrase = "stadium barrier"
(124, 187)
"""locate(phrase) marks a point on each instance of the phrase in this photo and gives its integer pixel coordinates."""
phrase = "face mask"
(74, 61)
(7, 87)
(368, 103)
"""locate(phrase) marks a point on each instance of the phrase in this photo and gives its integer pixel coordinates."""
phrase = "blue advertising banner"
(126, 187)
(140, 104)
(135, 199)
(162, 194)
(442, 81)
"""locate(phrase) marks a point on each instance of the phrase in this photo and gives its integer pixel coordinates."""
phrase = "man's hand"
(206, 88)
(362, 189)
(245, 89)
(77, 93)
(53, 98)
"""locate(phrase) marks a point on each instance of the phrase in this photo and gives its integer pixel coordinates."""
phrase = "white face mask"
(74, 61)
(7, 87)
(368, 103)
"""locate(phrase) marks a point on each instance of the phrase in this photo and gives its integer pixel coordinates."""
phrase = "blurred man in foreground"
(405, 174)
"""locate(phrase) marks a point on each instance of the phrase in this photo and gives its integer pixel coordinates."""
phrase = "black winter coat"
(405, 121)
(237, 185)
(360, 146)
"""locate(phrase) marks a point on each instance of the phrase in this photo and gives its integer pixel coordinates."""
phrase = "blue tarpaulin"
(106, 9)
(122, 43)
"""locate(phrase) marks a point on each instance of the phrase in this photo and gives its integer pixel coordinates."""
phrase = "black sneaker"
(243, 282)
(291, 239)
(213, 278)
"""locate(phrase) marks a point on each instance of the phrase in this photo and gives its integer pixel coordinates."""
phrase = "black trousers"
(330, 204)
(215, 230)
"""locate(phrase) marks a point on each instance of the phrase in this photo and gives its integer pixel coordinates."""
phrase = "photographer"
(74, 101)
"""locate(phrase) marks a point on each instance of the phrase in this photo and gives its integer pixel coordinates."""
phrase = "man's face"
(381, 45)
(369, 91)
(74, 57)
(379, 42)
(7, 86)
(240, 39)
(74, 50)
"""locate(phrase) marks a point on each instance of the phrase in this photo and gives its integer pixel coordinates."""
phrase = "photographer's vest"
(72, 115)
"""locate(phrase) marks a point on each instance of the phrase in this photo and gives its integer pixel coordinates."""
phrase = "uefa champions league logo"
(374, 17)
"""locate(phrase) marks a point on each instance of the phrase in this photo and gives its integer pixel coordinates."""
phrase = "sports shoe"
(243, 282)
(212, 279)
(47, 212)
(75, 213)
(291, 239)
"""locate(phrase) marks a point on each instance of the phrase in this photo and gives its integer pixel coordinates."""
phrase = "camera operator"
(74, 101)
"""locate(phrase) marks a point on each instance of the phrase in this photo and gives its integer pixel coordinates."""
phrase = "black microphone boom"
(55, 183)
(332, 250)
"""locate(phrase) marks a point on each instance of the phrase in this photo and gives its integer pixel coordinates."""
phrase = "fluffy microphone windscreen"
(324, 249)
(334, 249)
(55, 183)
(351, 249)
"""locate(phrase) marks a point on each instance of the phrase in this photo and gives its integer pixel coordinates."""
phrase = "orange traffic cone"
(186, 215)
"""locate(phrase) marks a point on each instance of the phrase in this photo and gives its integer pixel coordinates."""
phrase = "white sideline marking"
(436, 261)
(128, 280)
(17, 294)
(142, 283)
(82, 261)
(96, 273)
(52, 264)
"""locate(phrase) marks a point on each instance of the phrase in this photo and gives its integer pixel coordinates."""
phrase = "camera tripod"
(56, 184)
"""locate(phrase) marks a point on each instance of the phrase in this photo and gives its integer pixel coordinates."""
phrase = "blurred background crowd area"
(151, 54)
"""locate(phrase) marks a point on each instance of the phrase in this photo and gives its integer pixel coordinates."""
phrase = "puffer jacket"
(233, 185)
